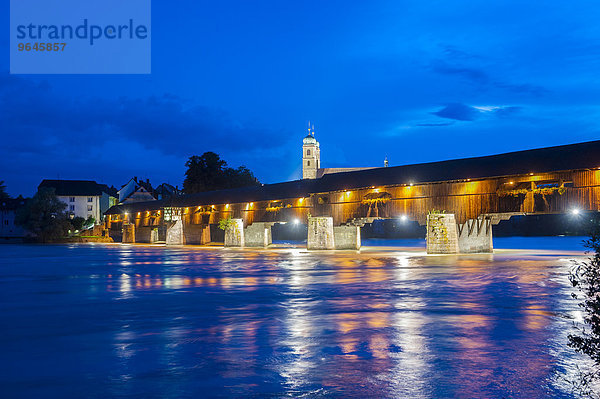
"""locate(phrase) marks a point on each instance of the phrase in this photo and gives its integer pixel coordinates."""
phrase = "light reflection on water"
(99, 321)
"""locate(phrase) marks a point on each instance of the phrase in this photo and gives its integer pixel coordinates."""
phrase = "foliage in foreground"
(585, 277)
(44, 216)
(224, 224)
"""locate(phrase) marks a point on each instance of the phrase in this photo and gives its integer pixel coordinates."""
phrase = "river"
(114, 320)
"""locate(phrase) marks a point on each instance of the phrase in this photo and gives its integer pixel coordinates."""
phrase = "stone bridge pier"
(475, 236)
(445, 236)
(180, 233)
(258, 234)
(323, 235)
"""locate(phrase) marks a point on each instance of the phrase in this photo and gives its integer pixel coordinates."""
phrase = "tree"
(209, 172)
(585, 277)
(77, 222)
(3, 194)
(44, 216)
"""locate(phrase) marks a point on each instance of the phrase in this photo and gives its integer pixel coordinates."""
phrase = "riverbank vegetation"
(585, 277)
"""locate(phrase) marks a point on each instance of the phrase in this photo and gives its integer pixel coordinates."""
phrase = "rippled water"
(143, 321)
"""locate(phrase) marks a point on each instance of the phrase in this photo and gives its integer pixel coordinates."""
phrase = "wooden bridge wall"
(466, 199)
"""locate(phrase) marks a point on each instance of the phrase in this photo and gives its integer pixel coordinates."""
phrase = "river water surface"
(149, 321)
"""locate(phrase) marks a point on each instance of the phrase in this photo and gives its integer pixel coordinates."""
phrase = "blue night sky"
(416, 81)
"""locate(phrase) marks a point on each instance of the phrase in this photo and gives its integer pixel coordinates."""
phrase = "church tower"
(311, 155)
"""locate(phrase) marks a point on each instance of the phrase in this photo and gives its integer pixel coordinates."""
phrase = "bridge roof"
(566, 157)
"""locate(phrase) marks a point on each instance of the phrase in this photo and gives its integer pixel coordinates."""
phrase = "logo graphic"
(80, 37)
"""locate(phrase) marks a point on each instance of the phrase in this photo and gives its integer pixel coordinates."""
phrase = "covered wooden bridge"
(459, 200)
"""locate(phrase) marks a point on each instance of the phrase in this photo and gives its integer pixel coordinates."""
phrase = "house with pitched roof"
(84, 198)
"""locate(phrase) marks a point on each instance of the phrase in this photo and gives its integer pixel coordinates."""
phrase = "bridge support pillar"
(475, 236)
(175, 233)
(234, 235)
(196, 234)
(154, 235)
(442, 234)
(346, 237)
(128, 233)
(258, 234)
(320, 233)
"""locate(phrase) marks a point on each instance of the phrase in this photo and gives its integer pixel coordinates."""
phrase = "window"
(90, 199)
(90, 207)
(307, 153)
(6, 222)
(71, 199)
(307, 163)
(72, 208)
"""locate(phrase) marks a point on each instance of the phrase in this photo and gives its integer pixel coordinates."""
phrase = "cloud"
(48, 134)
(434, 124)
(457, 111)
(462, 112)
(38, 118)
(479, 76)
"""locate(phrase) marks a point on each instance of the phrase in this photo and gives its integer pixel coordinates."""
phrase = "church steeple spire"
(311, 154)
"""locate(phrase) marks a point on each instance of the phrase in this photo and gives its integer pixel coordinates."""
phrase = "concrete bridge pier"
(320, 233)
(154, 235)
(196, 234)
(234, 234)
(258, 234)
(475, 236)
(146, 234)
(346, 237)
(442, 234)
(128, 233)
(445, 236)
(175, 233)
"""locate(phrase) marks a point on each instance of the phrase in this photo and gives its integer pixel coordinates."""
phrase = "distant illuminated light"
(403, 218)
(296, 221)
(511, 182)
(226, 206)
(575, 211)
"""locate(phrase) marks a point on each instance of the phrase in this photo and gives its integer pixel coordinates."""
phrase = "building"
(136, 191)
(311, 159)
(84, 198)
(8, 210)
(165, 191)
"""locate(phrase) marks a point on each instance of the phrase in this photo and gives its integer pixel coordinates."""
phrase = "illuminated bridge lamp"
(300, 200)
(226, 206)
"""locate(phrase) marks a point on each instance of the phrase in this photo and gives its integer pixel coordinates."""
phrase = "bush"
(585, 277)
